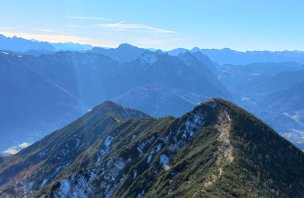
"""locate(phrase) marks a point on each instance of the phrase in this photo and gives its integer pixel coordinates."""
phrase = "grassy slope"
(263, 165)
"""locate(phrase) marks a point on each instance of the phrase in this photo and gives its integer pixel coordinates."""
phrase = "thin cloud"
(87, 18)
(122, 26)
(56, 38)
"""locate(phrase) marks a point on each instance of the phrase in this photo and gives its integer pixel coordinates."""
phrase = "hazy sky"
(166, 24)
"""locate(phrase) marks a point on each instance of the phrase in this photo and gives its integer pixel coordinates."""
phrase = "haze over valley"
(57, 86)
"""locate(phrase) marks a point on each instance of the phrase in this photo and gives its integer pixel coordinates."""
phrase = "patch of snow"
(44, 182)
(149, 158)
(157, 148)
(64, 187)
(134, 174)
(119, 164)
(143, 144)
(173, 147)
(192, 124)
(154, 150)
(28, 189)
(133, 137)
(175, 138)
(166, 138)
(41, 154)
(195, 121)
(105, 147)
(141, 153)
(197, 118)
(108, 141)
(141, 194)
(77, 142)
(93, 176)
(63, 152)
(184, 136)
(164, 160)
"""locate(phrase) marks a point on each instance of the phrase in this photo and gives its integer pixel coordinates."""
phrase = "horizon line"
(164, 50)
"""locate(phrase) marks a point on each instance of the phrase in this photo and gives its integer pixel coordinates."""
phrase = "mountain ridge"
(217, 149)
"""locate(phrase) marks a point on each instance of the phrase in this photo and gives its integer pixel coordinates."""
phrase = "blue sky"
(166, 24)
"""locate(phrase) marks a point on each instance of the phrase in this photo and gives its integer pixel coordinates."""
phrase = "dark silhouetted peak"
(127, 46)
(195, 49)
(123, 53)
(227, 49)
(159, 51)
(109, 107)
(109, 103)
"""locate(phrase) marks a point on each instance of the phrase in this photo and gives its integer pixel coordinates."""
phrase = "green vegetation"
(216, 150)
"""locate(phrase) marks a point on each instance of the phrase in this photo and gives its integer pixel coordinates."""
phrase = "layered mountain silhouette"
(44, 89)
(53, 89)
(229, 56)
(215, 150)
(33, 47)
(22, 45)
(259, 79)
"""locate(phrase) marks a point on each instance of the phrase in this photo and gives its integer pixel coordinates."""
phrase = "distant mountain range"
(45, 92)
(215, 150)
(221, 56)
(45, 89)
(17, 44)
(22, 45)
(229, 56)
